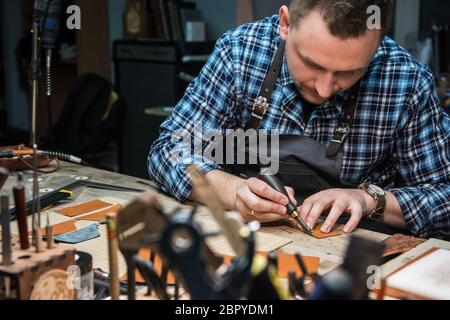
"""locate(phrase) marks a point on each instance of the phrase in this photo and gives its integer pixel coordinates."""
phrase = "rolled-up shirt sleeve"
(423, 151)
(208, 104)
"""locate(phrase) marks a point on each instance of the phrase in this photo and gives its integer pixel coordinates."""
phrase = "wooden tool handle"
(21, 210)
(113, 248)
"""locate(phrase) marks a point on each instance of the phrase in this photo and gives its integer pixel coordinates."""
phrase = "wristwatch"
(380, 198)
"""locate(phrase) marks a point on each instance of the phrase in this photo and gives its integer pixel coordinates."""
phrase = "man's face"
(321, 64)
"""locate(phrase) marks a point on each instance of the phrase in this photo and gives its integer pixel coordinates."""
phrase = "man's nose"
(325, 85)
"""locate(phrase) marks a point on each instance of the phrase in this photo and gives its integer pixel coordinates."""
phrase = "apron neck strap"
(261, 103)
(346, 122)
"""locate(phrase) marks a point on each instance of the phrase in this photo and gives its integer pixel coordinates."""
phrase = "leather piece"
(61, 228)
(84, 208)
(101, 215)
(337, 230)
(333, 150)
(400, 243)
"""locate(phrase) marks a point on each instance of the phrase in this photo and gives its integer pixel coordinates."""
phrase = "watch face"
(377, 190)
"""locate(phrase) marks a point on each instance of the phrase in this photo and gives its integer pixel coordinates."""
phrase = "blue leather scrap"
(82, 235)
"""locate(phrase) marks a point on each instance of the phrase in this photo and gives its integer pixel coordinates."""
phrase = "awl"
(276, 184)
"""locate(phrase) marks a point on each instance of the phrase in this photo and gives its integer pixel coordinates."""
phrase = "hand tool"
(276, 184)
(301, 263)
(64, 157)
(152, 262)
(19, 199)
(48, 153)
(151, 277)
(131, 272)
(231, 225)
(4, 174)
(6, 234)
(16, 153)
(49, 229)
(62, 193)
(113, 247)
(103, 186)
(36, 203)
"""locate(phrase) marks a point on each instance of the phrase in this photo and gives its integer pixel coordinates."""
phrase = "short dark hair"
(345, 18)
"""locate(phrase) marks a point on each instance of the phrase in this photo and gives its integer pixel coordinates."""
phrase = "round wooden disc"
(53, 286)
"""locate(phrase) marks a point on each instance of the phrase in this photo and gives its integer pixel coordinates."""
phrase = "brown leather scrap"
(84, 208)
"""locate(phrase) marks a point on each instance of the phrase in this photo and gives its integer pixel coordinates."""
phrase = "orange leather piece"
(84, 208)
(61, 228)
(101, 215)
(337, 230)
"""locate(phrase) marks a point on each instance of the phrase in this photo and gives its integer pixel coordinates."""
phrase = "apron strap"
(261, 103)
(343, 129)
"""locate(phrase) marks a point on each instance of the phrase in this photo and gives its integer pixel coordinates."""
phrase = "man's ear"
(284, 22)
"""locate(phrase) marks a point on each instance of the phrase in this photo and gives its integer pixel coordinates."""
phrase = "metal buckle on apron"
(339, 136)
(260, 107)
(341, 133)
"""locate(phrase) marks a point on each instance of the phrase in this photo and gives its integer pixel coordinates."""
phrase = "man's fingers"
(305, 208)
(263, 190)
(291, 194)
(336, 211)
(242, 207)
(352, 223)
(248, 215)
(315, 213)
(256, 203)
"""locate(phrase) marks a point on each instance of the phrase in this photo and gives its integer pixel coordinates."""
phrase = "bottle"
(85, 283)
(134, 19)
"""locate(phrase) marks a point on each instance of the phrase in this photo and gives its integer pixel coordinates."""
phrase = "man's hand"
(253, 198)
(256, 200)
(355, 202)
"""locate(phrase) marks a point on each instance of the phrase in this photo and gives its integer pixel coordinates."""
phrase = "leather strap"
(343, 129)
(28, 164)
(262, 102)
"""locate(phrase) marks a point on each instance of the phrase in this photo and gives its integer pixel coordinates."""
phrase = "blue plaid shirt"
(400, 138)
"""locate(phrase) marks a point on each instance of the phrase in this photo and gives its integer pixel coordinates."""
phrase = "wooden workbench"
(331, 250)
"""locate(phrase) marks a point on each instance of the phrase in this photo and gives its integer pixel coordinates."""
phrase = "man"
(397, 139)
